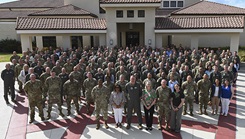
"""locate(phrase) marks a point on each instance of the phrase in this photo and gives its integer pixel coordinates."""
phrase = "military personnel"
(184, 74)
(68, 66)
(14, 56)
(189, 87)
(57, 68)
(215, 75)
(43, 78)
(64, 77)
(77, 76)
(17, 71)
(39, 69)
(121, 72)
(163, 104)
(122, 82)
(203, 86)
(100, 97)
(89, 84)
(71, 92)
(13, 64)
(34, 91)
(134, 93)
(31, 71)
(53, 85)
(151, 80)
(8, 78)
(226, 74)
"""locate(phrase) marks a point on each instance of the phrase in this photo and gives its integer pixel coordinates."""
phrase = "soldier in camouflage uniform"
(64, 77)
(14, 56)
(89, 84)
(189, 87)
(77, 76)
(57, 68)
(53, 85)
(226, 74)
(163, 104)
(100, 97)
(17, 70)
(34, 91)
(71, 92)
(203, 86)
(43, 78)
(68, 66)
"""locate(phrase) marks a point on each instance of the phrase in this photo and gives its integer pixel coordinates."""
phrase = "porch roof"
(35, 23)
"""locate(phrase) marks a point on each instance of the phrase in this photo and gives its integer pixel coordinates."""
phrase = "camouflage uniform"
(110, 86)
(89, 84)
(79, 77)
(68, 67)
(203, 87)
(43, 78)
(53, 85)
(152, 81)
(17, 70)
(71, 89)
(34, 92)
(100, 97)
(226, 75)
(189, 88)
(16, 57)
(57, 69)
(163, 104)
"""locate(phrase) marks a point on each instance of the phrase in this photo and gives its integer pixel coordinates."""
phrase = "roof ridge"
(186, 7)
(61, 18)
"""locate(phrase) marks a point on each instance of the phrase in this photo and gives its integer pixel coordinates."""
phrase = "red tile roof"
(222, 22)
(35, 23)
(129, 1)
(209, 8)
(14, 14)
(33, 4)
(64, 11)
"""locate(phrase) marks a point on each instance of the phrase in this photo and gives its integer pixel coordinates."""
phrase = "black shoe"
(147, 128)
(176, 131)
(140, 127)
(7, 102)
(128, 126)
(150, 128)
(14, 101)
(31, 121)
(42, 118)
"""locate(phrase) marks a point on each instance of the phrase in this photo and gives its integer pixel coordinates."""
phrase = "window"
(119, 14)
(165, 3)
(49, 41)
(130, 13)
(141, 13)
(180, 3)
(173, 4)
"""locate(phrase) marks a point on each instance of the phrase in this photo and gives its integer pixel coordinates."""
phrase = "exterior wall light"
(149, 42)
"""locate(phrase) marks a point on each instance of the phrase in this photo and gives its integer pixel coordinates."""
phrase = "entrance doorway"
(132, 38)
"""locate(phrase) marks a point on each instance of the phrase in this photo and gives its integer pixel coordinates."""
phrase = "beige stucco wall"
(190, 2)
(7, 30)
(242, 38)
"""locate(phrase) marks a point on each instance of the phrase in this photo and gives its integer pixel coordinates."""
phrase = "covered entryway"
(130, 34)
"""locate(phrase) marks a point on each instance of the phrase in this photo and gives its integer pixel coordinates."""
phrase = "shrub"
(10, 45)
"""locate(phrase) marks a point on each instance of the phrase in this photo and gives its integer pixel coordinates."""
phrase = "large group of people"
(165, 81)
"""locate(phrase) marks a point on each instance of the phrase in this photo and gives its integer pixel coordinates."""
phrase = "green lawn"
(5, 57)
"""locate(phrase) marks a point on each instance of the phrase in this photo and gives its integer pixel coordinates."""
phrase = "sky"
(237, 3)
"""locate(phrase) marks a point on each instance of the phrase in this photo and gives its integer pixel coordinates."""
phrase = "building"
(155, 23)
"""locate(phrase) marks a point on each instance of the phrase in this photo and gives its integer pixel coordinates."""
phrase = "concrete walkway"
(14, 122)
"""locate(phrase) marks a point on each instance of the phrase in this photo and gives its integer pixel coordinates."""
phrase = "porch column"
(234, 42)
(86, 41)
(159, 41)
(39, 40)
(59, 41)
(102, 40)
(111, 37)
(150, 34)
(66, 42)
(194, 42)
(123, 39)
(26, 42)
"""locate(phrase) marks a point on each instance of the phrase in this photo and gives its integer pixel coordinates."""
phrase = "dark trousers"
(149, 116)
(176, 119)
(136, 107)
(7, 88)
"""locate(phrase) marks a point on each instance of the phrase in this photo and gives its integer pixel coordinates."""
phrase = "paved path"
(14, 122)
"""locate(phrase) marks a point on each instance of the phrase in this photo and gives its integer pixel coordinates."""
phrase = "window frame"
(117, 13)
(141, 13)
(128, 14)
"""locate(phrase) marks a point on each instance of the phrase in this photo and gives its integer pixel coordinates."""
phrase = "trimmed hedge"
(10, 45)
